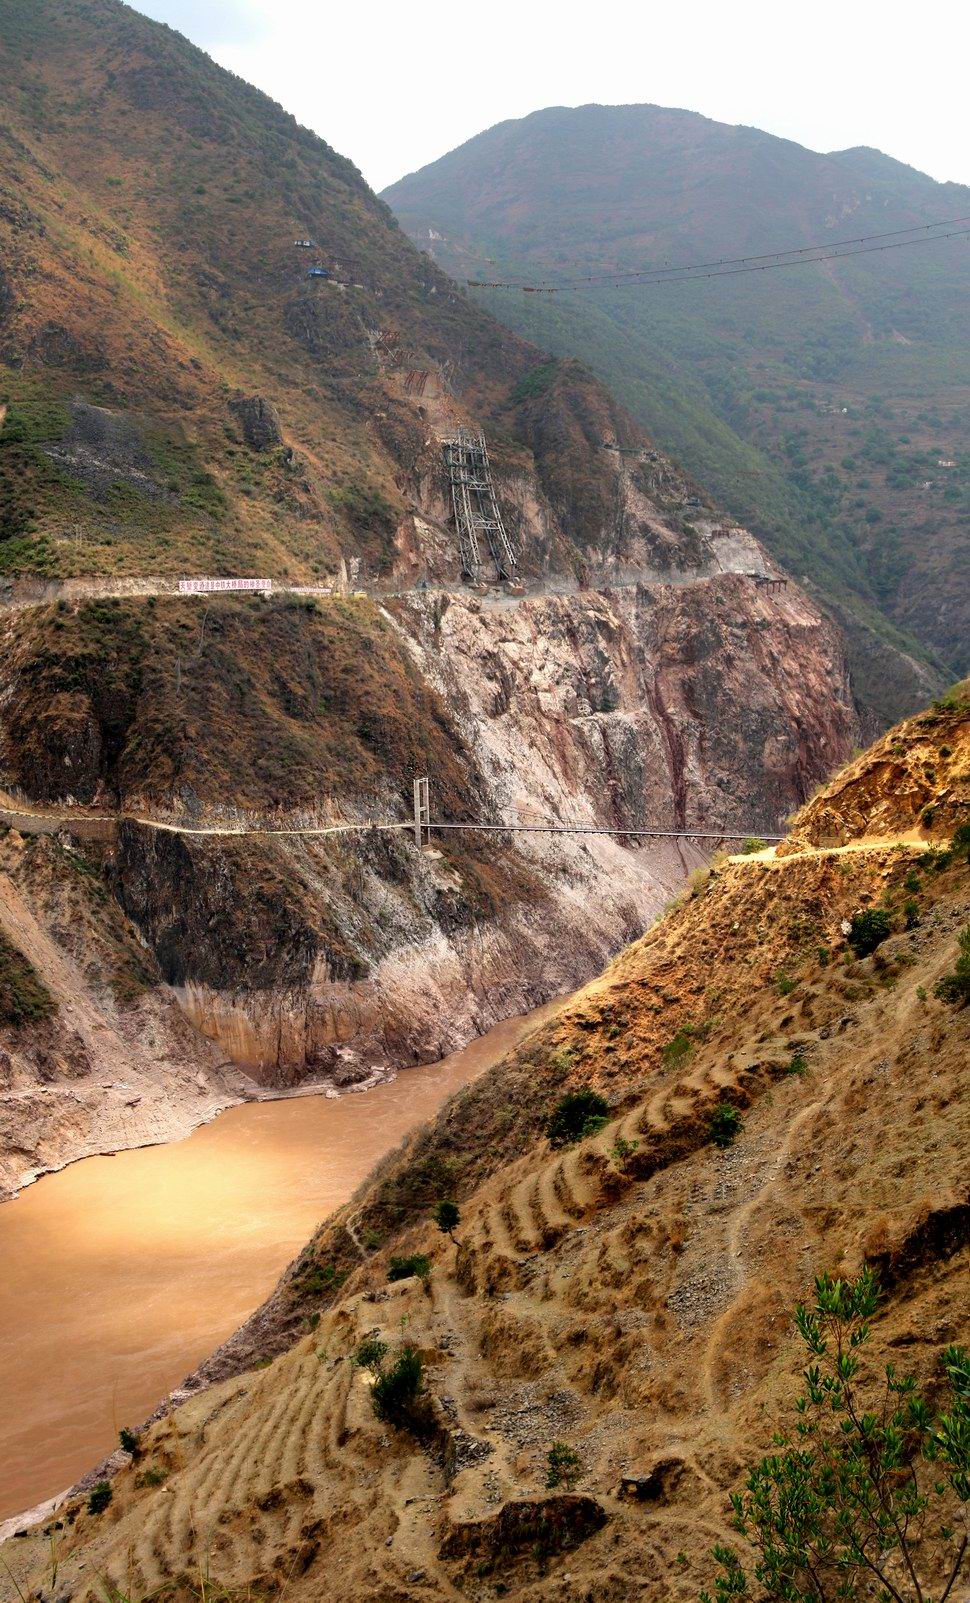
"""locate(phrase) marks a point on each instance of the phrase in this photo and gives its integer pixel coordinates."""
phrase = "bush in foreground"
(99, 1497)
(869, 1496)
(955, 987)
(563, 1466)
(370, 1353)
(868, 930)
(417, 1263)
(726, 1125)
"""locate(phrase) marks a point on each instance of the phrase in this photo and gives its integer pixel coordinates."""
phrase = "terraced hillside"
(627, 1294)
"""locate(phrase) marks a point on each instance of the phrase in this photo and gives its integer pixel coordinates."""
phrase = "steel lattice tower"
(475, 505)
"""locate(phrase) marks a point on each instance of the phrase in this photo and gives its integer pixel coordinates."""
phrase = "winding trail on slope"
(734, 1247)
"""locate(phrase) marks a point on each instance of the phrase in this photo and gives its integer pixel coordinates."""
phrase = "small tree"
(417, 1263)
(447, 1216)
(130, 1441)
(563, 1466)
(370, 1353)
(867, 930)
(955, 987)
(395, 1392)
(726, 1125)
(870, 1499)
(99, 1498)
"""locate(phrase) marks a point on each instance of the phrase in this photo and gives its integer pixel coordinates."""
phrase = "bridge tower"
(475, 505)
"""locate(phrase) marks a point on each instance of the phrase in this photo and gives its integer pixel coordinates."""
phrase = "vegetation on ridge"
(827, 407)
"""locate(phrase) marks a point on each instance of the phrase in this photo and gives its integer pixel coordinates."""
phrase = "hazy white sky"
(393, 85)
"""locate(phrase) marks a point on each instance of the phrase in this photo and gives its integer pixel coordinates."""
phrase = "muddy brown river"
(120, 1274)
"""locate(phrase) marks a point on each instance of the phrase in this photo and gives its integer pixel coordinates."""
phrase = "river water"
(118, 1275)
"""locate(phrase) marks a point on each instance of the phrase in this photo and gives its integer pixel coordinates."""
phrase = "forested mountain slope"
(821, 403)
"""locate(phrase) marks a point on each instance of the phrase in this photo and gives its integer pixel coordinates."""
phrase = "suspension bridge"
(103, 825)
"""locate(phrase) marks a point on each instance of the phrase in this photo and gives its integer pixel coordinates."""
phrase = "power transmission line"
(728, 267)
(769, 255)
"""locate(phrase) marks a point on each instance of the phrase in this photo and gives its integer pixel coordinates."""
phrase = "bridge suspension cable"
(425, 825)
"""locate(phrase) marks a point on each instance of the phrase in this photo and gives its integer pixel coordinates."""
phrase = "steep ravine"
(551, 698)
(306, 959)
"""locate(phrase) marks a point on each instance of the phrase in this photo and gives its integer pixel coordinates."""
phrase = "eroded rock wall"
(653, 707)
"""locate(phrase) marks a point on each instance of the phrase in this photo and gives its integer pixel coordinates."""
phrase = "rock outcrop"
(259, 421)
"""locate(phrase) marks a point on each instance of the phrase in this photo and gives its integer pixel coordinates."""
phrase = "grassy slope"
(737, 378)
(148, 206)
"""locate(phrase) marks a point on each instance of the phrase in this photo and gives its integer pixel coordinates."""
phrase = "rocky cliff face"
(708, 703)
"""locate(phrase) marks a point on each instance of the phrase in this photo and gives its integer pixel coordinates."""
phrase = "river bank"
(122, 1273)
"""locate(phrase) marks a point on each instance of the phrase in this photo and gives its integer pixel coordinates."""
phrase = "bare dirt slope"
(630, 1294)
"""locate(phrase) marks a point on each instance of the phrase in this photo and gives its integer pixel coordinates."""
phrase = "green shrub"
(152, 1475)
(866, 1497)
(563, 1466)
(573, 1114)
(535, 382)
(784, 984)
(130, 1441)
(867, 930)
(954, 699)
(798, 1063)
(395, 1392)
(447, 1216)
(752, 843)
(370, 1353)
(403, 1268)
(679, 1045)
(562, 1062)
(100, 1497)
(319, 1278)
(24, 998)
(725, 1125)
(960, 844)
(955, 987)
